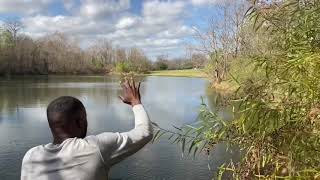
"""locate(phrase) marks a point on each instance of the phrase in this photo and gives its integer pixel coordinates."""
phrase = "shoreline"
(192, 73)
(224, 87)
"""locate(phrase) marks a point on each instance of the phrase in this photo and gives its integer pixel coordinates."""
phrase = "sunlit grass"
(179, 73)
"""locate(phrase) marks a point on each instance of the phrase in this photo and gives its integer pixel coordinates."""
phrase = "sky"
(159, 27)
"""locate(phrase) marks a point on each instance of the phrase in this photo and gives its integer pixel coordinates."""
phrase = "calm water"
(169, 101)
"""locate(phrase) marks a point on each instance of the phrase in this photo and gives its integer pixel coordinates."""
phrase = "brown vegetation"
(56, 53)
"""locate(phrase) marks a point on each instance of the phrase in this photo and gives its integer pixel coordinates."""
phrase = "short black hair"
(68, 107)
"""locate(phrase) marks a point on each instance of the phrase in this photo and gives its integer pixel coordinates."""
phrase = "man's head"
(67, 118)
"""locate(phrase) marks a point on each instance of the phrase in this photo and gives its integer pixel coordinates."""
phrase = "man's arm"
(115, 147)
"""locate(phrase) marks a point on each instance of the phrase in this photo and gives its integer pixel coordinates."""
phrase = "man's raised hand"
(131, 93)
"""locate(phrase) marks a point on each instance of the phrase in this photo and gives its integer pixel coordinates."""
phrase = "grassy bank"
(228, 86)
(225, 87)
(179, 73)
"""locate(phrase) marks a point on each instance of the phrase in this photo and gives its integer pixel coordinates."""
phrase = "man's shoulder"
(89, 141)
(31, 151)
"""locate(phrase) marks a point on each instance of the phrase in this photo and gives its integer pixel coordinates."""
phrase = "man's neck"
(60, 139)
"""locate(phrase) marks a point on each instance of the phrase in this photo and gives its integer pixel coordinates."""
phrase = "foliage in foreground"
(277, 123)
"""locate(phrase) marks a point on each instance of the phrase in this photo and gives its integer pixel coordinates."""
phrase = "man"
(74, 156)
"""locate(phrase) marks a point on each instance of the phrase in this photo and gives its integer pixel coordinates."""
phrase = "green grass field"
(179, 73)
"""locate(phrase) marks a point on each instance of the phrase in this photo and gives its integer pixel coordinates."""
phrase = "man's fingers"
(139, 90)
(134, 85)
(120, 97)
(123, 86)
(126, 84)
(129, 84)
(139, 86)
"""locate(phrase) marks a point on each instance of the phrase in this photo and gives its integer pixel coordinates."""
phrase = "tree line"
(196, 61)
(56, 53)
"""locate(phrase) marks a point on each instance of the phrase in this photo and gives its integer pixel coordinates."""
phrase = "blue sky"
(159, 27)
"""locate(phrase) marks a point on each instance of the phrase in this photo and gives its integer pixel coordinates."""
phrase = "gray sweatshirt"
(88, 158)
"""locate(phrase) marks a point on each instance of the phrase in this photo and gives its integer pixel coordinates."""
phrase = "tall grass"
(277, 117)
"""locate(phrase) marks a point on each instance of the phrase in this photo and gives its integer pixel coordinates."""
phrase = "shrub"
(123, 67)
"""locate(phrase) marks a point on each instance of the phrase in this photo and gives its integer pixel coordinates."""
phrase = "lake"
(168, 100)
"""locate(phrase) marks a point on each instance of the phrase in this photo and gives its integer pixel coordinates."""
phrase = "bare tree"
(138, 60)
(121, 55)
(198, 60)
(13, 27)
(222, 40)
(58, 53)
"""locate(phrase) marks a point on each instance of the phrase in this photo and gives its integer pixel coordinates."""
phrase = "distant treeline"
(57, 54)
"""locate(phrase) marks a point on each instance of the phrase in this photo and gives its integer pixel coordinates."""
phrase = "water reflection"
(169, 101)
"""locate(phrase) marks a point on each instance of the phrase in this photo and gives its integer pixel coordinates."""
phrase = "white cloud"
(69, 4)
(162, 12)
(159, 29)
(177, 32)
(202, 2)
(24, 6)
(126, 22)
(102, 8)
(71, 25)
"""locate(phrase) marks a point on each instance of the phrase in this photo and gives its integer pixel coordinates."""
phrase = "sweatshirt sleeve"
(114, 147)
